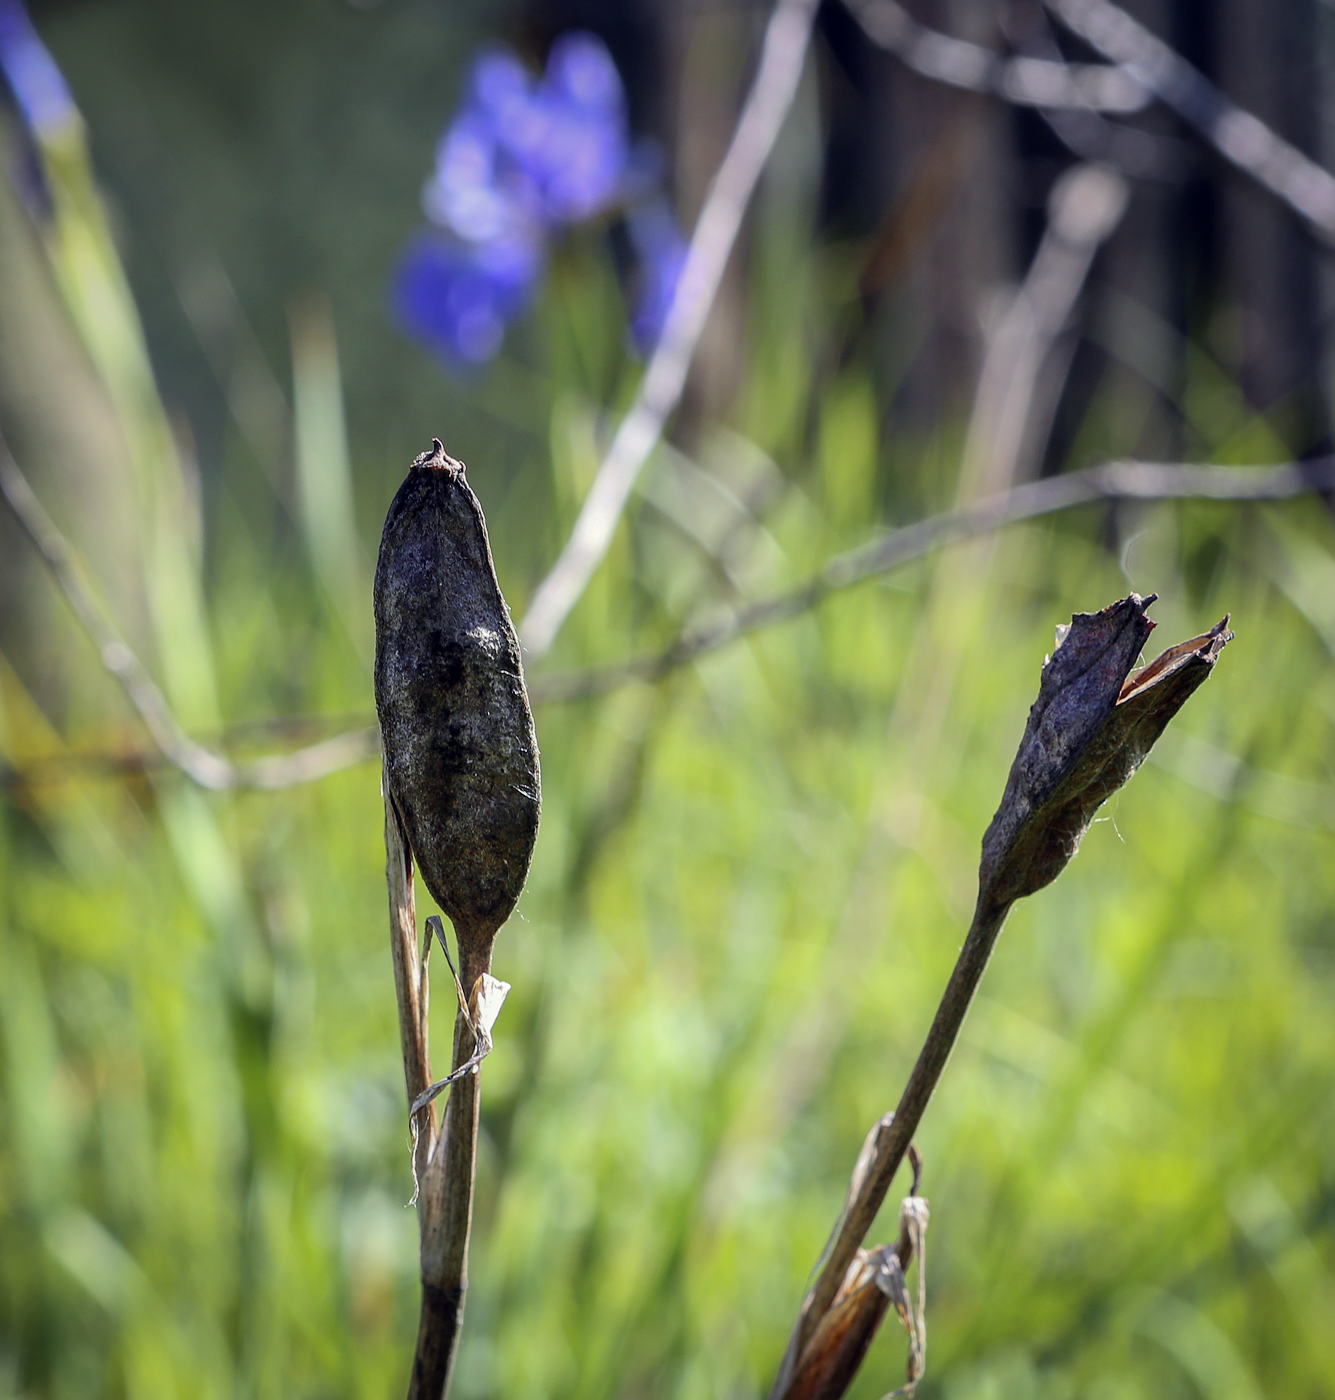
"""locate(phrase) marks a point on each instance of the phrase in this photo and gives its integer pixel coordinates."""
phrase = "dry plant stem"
(1241, 138)
(1029, 82)
(444, 1162)
(1110, 481)
(1122, 480)
(781, 60)
(862, 1209)
(840, 1340)
(199, 764)
(409, 982)
(1096, 717)
(446, 1206)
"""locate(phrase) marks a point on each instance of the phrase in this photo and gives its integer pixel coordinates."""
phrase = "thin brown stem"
(443, 1163)
(201, 765)
(1110, 481)
(782, 58)
(409, 982)
(871, 1192)
(446, 1207)
(1119, 480)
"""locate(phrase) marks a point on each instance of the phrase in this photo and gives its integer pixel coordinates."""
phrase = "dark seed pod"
(461, 758)
(1091, 727)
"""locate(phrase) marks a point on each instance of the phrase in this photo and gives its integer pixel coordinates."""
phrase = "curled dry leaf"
(872, 1283)
(461, 757)
(1094, 721)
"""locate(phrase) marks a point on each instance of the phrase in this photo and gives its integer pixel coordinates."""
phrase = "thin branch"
(1027, 82)
(445, 1209)
(201, 765)
(1096, 718)
(780, 68)
(410, 985)
(1241, 138)
(1002, 445)
(891, 1146)
(1131, 150)
(1126, 480)
(444, 1158)
(1143, 68)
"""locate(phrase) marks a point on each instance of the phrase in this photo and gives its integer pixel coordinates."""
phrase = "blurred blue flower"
(521, 153)
(661, 252)
(457, 297)
(39, 90)
(522, 159)
(472, 194)
(581, 149)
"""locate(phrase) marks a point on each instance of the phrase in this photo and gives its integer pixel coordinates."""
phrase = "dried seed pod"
(461, 757)
(1094, 721)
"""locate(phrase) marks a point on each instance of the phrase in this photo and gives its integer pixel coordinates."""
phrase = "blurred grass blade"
(323, 468)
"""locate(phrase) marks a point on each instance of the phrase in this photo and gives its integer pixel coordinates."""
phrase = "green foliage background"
(750, 885)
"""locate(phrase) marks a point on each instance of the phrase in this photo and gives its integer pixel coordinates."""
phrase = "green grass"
(749, 888)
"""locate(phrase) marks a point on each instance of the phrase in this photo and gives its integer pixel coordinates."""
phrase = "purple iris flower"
(457, 298)
(583, 146)
(40, 93)
(521, 160)
(472, 193)
(521, 153)
(661, 252)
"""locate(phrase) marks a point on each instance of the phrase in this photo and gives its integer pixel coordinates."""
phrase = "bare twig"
(1085, 206)
(1027, 82)
(1146, 481)
(410, 985)
(1123, 480)
(445, 1209)
(1143, 68)
(861, 1209)
(1241, 138)
(201, 765)
(1093, 723)
(208, 769)
(1129, 149)
(443, 1160)
(767, 103)
(875, 1280)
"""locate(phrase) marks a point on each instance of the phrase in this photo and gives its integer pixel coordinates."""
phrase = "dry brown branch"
(1004, 443)
(1241, 138)
(1126, 480)
(443, 1161)
(1092, 725)
(201, 765)
(781, 60)
(874, 1280)
(445, 1206)
(1028, 82)
(410, 984)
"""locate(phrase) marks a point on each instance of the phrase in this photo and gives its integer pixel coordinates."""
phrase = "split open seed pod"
(1095, 719)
